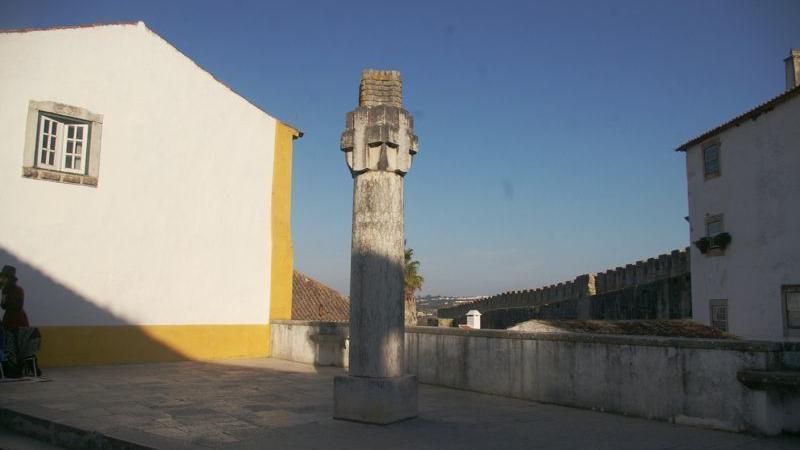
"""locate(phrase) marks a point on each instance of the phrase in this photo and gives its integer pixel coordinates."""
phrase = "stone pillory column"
(378, 142)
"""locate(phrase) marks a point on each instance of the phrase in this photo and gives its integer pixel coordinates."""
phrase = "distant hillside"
(428, 304)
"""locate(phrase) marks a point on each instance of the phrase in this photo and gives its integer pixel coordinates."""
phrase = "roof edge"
(234, 91)
(763, 108)
(72, 27)
(140, 23)
(297, 132)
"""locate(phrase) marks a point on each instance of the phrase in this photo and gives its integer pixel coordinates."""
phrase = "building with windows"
(743, 188)
(146, 204)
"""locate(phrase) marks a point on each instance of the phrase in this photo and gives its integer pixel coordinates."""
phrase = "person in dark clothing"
(12, 299)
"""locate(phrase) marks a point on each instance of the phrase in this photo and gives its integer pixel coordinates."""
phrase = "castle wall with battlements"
(656, 288)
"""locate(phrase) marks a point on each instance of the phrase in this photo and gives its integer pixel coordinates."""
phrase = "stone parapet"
(684, 381)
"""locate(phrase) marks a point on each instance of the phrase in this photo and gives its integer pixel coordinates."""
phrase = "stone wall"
(310, 342)
(685, 381)
(658, 288)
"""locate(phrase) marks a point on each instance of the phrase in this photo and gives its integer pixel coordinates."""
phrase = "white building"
(744, 213)
(146, 204)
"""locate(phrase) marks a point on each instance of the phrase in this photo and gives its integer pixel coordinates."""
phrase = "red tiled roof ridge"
(318, 283)
(313, 300)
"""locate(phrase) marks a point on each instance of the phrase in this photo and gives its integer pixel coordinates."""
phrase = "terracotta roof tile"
(312, 300)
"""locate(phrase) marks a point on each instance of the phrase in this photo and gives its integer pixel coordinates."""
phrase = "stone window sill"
(36, 173)
(712, 252)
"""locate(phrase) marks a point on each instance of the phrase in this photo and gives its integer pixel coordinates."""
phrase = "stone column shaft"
(376, 276)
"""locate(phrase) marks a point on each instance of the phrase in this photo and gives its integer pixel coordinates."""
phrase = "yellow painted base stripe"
(88, 345)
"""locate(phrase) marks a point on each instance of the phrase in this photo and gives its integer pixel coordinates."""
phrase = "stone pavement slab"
(268, 403)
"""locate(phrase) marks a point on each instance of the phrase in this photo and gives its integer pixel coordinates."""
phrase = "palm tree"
(412, 283)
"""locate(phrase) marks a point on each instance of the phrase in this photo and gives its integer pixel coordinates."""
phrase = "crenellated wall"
(653, 288)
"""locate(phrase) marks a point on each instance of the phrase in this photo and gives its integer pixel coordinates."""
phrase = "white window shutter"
(50, 132)
(73, 148)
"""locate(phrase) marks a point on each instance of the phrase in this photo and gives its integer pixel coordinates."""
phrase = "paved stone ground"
(277, 404)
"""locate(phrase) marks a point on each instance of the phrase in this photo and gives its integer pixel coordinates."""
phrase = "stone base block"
(374, 400)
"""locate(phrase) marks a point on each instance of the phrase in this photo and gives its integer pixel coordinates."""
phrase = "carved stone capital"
(379, 138)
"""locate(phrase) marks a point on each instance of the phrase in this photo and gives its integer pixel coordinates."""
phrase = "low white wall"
(310, 342)
(688, 381)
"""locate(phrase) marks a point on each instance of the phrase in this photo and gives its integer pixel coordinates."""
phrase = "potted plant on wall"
(703, 244)
(721, 240)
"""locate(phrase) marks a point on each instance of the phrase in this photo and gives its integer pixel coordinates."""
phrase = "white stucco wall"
(758, 193)
(178, 230)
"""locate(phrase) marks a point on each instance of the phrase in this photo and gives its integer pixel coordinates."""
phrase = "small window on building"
(791, 305)
(713, 228)
(719, 314)
(62, 143)
(711, 161)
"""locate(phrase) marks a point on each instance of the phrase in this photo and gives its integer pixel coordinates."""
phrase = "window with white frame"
(63, 144)
(719, 314)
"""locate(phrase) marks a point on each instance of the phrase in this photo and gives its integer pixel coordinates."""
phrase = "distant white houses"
(744, 213)
(145, 204)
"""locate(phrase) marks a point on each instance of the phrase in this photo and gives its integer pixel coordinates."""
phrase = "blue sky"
(546, 127)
